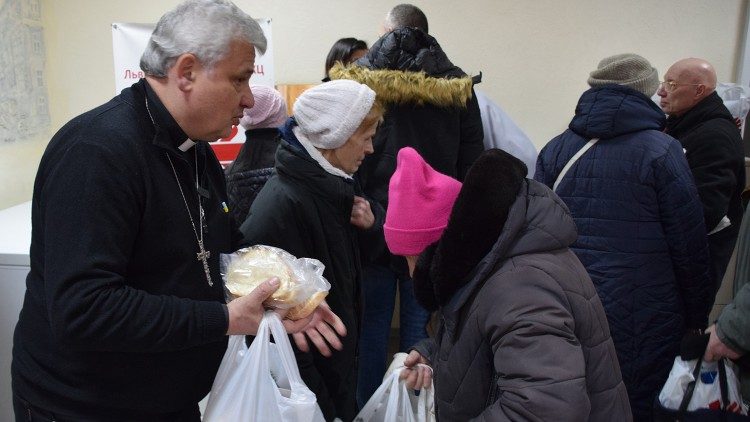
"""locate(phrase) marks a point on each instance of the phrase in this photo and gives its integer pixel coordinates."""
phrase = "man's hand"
(246, 312)
(716, 349)
(319, 329)
(362, 216)
(418, 373)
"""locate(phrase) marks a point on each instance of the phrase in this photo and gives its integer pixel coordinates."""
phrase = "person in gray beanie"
(629, 70)
(641, 234)
(313, 207)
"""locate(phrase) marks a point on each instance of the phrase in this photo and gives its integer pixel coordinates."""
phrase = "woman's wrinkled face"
(349, 156)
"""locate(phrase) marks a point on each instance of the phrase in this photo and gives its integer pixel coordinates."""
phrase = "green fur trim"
(400, 87)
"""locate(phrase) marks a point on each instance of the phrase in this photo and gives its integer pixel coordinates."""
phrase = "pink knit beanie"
(269, 110)
(419, 203)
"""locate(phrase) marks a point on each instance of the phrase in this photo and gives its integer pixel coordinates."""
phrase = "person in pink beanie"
(420, 200)
(522, 333)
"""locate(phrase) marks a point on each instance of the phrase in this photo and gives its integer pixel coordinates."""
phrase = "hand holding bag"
(393, 401)
(261, 383)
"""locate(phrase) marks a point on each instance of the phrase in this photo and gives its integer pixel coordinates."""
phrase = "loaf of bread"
(307, 307)
(253, 266)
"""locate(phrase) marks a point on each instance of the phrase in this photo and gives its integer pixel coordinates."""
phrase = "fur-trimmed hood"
(498, 215)
(409, 66)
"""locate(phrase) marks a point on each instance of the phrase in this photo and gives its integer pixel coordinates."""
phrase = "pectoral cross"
(203, 256)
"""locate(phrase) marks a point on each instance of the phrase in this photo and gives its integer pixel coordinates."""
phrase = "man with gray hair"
(713, 147)
(640, 228)
(124, 315)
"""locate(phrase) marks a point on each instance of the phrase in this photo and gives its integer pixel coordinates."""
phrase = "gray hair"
(406, 16)
(205, 28)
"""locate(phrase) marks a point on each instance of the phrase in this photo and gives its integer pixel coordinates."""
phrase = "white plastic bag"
(736, 98)
(261, 383)
(707, 392)
(393, 401)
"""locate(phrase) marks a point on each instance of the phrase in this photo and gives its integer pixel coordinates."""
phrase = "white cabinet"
(15, 238)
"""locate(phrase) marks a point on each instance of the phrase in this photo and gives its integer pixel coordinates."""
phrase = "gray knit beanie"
(630, 70)
(330, 113)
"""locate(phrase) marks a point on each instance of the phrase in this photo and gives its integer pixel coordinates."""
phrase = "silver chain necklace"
(203, 254)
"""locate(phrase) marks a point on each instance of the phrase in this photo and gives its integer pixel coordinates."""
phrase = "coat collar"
(167, 133)
(711, 107)
(613, 110)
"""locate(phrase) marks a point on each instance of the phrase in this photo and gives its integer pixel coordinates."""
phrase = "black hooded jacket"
(430, 106)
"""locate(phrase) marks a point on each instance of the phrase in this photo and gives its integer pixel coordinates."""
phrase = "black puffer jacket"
(251, 170)
(430, 104)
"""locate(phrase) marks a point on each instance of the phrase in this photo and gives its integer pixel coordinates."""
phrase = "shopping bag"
(262, 382)
(394, 402)
(699, 390)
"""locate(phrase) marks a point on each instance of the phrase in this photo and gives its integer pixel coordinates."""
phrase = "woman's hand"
(362, 215)
(418, 373)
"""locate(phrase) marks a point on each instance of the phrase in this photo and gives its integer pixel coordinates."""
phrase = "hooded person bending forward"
(523, 335)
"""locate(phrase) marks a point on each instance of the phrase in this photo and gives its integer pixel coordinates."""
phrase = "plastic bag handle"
(723, 385)
(689, 390)
(288, 361)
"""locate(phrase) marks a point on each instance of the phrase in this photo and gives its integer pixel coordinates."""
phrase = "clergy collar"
(168, 133)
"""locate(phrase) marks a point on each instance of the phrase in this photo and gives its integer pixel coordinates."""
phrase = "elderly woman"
(312, 208)
(522, 335)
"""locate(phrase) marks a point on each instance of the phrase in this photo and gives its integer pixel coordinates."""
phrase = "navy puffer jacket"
(641, 232)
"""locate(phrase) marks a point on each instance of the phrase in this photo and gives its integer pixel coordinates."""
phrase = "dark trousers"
(27, 412)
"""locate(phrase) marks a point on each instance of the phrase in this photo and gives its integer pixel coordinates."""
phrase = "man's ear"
(185, 68)
(701, 91)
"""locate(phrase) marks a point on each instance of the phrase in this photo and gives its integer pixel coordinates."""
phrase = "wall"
(535, 54)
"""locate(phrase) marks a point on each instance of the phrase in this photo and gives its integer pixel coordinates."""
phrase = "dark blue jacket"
(641, 232)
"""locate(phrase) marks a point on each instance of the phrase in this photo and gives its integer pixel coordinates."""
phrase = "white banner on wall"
(130, 39)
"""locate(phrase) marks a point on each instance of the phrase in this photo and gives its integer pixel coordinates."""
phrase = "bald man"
(698, 118)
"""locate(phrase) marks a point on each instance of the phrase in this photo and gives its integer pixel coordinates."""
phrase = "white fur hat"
(329, 114)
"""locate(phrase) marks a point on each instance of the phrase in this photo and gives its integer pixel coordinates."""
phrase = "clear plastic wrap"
(302, 287)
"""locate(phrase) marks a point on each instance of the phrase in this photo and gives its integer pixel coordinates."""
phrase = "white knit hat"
(329, 114)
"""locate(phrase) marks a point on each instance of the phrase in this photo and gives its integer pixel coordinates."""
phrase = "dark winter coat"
(305, 211)
(714, 151)
(430, 106)
(641, 235)
(251, 170)
(118, 321)
(523, 335)
(713, 148)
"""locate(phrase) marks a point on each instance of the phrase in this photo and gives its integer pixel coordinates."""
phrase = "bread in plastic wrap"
(302, 285)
